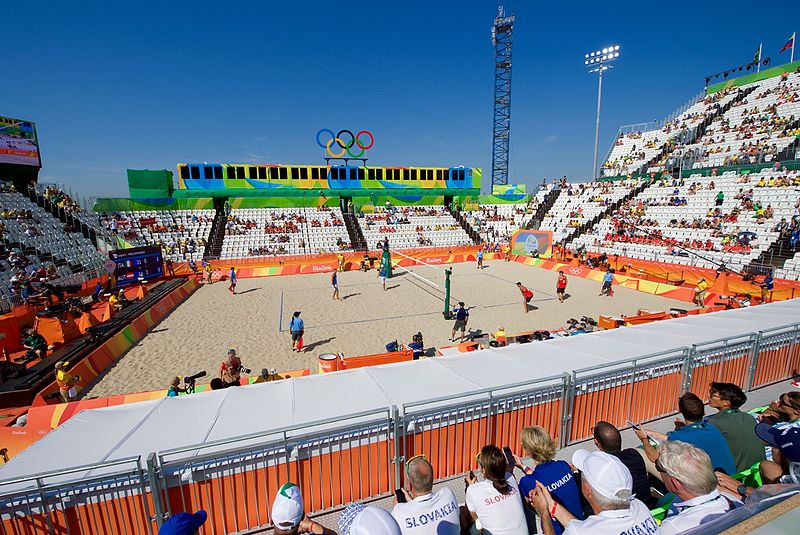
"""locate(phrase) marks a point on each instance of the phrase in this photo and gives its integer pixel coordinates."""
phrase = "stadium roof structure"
(124, 431)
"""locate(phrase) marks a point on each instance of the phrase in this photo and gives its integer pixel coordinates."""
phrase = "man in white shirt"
(426, 512)
(686, 470)
(607, 485)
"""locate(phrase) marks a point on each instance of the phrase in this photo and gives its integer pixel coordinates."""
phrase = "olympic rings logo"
(345, 144)
(575, 271)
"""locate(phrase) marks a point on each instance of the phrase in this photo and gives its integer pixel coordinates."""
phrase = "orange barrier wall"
(102, 357)
(732, 370)
(776, 364)
(643, 400)
(350, 363)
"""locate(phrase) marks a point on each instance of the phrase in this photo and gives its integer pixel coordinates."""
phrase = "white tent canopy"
(112, 433)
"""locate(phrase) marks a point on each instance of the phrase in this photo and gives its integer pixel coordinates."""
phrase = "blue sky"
(151, 84)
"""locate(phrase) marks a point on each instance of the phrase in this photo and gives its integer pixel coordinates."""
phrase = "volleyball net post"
(447, 314)
(386, 261)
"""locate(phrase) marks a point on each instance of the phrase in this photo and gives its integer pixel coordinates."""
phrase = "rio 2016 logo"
(345, 140)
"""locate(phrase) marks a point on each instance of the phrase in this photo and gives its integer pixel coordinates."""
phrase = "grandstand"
(413, 227)
(284, 231)
(713, 190)
(182, 234)
(679, 221)
(38, 239)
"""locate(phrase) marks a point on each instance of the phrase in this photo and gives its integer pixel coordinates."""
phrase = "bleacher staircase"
(354, 231)
(217, 234)
(610, 210)
(544, 207)
(687, 138)
(471, 232)
(62, 215)
(774, 257)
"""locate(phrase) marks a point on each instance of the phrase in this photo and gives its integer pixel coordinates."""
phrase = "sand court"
(197, 334)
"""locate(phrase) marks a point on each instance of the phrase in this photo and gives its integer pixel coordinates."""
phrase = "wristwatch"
(742, 490)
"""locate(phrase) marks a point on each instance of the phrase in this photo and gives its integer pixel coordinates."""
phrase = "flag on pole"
(789, 44)
(757, 55)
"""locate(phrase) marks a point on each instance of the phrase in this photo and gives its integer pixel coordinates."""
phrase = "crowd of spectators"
(672, 483)
(61, 199)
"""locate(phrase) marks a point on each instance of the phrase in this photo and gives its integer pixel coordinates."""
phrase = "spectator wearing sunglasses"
(426, 512)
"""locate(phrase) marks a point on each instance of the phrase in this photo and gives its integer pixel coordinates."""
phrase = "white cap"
(359, 520)
(605, 473)
(288, 509)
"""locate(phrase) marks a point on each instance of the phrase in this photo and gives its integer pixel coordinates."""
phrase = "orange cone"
(87, 320)
(107, 313)
(141, 292)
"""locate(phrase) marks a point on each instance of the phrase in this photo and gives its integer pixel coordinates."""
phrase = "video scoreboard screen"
(18, 142)
(137, 263)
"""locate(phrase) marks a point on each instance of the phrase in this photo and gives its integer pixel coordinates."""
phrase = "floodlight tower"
(501, 130)
(598, 62)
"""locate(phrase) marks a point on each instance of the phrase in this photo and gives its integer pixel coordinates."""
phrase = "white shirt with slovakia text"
(636, 520)
(500, 514)
(431, 514)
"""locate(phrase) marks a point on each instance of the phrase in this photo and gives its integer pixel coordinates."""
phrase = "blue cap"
(786, 438)
(183, 523)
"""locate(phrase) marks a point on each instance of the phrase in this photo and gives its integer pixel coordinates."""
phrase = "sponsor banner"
(532, 243)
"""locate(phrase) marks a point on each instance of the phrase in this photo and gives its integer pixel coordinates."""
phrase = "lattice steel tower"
(501, 130)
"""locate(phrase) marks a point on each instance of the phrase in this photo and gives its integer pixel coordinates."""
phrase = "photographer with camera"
(174, 388)
(230, 369)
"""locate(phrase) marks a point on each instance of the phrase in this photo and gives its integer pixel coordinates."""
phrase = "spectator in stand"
(737, 427)
(608, 439)
(720, 198)
(184, 523)
(288, 516)
(556, 476)
(687, 472)
(422, 504)
(784, 411)
(777, 423)
(794, 237)
(357, 519)
(692, 430)
(606, 484)
(495, 502)
(785, 442)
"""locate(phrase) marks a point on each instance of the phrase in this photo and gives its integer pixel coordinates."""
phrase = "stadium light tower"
(502, 30)
(598, 61)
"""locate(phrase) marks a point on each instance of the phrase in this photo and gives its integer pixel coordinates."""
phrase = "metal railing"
(360, 456)
(115, 500)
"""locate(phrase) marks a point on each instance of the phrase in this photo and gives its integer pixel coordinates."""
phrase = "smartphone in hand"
(509, 456)
(400, 495)
(635, 426)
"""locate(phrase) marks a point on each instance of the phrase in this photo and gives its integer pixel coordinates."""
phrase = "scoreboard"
(136, 264)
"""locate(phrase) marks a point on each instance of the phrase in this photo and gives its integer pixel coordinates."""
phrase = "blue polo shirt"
(557, 477)
(296, 325)
(709, 439)
(608, 277)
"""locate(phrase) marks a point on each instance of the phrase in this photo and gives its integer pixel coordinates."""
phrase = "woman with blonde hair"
(553, 474)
